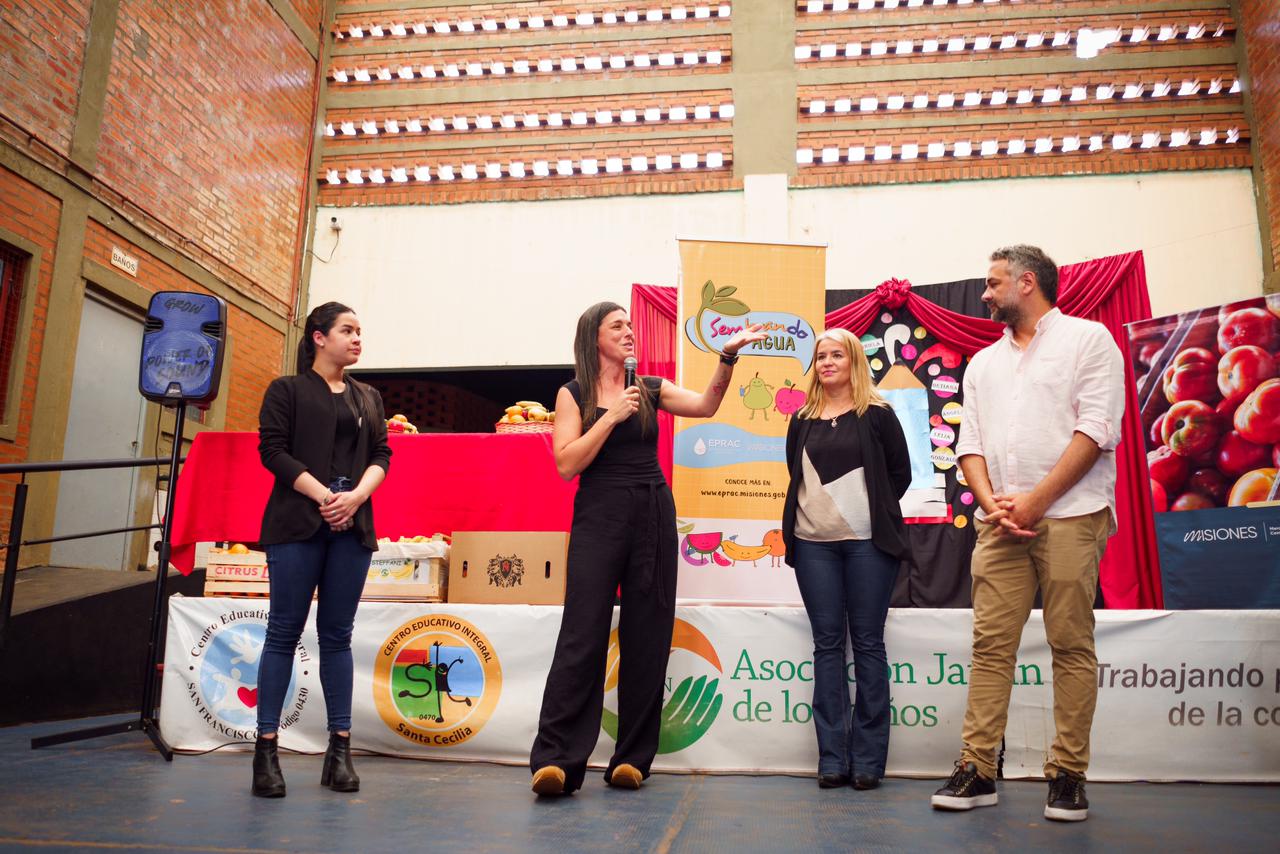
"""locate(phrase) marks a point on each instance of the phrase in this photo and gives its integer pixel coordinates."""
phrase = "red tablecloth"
(442, 482)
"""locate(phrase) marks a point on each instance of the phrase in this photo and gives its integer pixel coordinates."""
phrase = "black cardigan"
(296, 428)
(887, 466)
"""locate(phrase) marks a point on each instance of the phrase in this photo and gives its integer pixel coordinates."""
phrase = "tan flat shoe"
(548, 780)
(626, 777)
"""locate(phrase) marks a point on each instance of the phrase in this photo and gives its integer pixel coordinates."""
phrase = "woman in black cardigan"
(844, 535)
(324, 438)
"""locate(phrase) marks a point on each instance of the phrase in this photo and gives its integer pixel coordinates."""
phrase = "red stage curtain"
(964, 333)
(1111, 291)
(653, 320)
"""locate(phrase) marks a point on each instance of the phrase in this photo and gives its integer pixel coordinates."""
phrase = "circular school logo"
(694, 702)
(222, 680)
(437, 680)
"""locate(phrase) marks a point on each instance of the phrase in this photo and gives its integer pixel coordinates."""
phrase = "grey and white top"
(832, 503)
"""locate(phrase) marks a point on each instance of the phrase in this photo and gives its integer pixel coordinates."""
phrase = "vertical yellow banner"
(730, 475)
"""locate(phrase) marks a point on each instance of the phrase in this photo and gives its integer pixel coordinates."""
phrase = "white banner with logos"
(1185, 695)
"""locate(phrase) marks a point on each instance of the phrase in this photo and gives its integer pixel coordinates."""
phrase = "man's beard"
(1009, 315)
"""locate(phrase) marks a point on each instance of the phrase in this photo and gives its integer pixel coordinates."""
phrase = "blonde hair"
(860, 383)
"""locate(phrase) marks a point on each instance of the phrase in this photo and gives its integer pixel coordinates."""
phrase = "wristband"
(726, 359)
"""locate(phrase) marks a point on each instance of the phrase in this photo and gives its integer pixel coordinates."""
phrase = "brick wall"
(32, 214)
(1261, 27)
(256, 348)
(203, 151)
(207, 125)
(41, 49)
(389, 66)
(309, 11)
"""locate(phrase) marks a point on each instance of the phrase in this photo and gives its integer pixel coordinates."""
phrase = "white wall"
(503, 283)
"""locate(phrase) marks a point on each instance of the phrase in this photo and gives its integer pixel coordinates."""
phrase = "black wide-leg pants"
(622, 536)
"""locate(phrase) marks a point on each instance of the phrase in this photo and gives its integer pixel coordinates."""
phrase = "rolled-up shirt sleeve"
(970, 441)
(1099, 390)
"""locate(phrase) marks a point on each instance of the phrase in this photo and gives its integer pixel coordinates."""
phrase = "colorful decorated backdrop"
(1112, 291)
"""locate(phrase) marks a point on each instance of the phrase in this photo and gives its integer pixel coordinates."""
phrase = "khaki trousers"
(1063, 562)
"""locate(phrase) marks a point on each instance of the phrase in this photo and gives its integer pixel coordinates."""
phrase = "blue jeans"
(846, 586)
(337, 564)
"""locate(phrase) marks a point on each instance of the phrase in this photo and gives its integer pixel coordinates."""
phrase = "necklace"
(835, 417)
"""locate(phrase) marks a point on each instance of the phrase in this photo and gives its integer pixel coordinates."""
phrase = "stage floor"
(117, 793)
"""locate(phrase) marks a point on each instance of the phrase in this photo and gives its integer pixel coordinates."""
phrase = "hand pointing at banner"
(681, 401)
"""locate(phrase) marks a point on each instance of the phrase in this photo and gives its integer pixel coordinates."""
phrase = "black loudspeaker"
(182, 347)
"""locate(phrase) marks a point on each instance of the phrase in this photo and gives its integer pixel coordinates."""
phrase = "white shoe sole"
(948, 802)
(1054, 814)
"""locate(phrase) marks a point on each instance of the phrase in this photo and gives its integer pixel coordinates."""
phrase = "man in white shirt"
(1043, 407)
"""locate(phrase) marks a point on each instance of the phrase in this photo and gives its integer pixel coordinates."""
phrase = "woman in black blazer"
(844, 535)
(323, 436)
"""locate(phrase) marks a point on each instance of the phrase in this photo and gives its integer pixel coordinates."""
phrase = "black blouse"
(297, 432)
(627, 456)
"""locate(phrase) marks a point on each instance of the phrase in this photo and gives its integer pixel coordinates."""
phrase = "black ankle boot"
(338, 773)
(268, 782)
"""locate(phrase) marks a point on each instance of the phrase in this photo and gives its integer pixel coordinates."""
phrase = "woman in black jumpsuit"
(624, 535)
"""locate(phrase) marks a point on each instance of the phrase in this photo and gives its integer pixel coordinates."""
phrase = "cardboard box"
(508, 567)
(408, 572)
(237, 575)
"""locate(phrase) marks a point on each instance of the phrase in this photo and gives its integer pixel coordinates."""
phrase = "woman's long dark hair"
(321, 319)
(586, 367)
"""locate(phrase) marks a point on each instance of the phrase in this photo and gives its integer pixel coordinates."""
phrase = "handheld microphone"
(629, 372)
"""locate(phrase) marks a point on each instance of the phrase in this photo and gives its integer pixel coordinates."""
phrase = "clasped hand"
(1017, 514)
(338, 509)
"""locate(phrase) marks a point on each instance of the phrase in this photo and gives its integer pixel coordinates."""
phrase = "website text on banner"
(1210, 406)
(1185, 695)
(729, 473)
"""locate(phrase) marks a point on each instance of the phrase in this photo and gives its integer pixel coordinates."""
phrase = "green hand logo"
(686, 718)
(689, 713)
(695, 703)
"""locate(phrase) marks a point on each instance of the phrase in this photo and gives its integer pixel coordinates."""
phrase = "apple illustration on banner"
(1252, 486)
(1210, 482)
(1191, 429)
(1255, 326)
(1167, 468)
(1258, 417)
(789, 399)
(1242, 369)
(1193, 375)
(1236, 455)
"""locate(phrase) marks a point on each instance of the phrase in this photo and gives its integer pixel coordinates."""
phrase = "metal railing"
(17, 518)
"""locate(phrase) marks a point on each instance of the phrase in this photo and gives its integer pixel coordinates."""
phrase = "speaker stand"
(148, 720)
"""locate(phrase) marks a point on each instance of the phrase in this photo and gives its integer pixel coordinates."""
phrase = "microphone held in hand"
(629, 372)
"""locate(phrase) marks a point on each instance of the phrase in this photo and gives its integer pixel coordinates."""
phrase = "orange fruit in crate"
(238, 549)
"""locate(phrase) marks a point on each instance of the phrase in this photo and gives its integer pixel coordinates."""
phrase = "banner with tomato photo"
(1209, 394)
(729, 475)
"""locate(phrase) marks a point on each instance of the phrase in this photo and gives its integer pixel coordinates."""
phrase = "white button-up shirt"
(1021, 407)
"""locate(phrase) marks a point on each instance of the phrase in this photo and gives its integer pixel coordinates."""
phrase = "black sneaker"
(1066, 798)
(965, 790)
